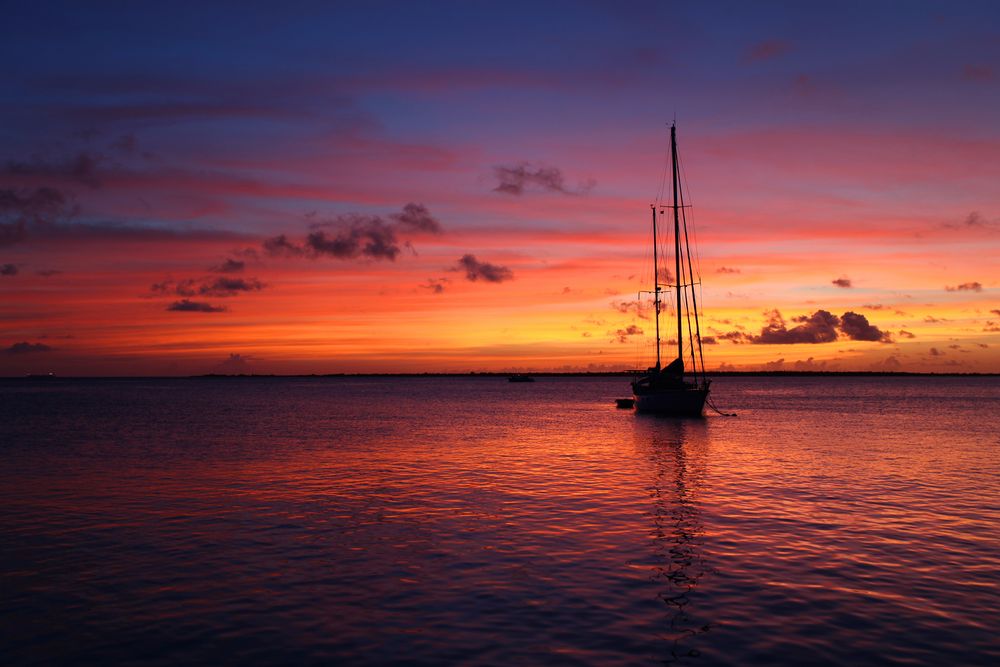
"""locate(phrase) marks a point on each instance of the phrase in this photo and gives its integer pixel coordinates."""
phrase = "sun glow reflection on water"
(835, 520)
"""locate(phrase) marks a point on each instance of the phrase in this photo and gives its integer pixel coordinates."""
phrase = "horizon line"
(625, 373)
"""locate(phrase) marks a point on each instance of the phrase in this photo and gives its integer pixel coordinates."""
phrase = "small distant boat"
(520, 377)
(674, 389)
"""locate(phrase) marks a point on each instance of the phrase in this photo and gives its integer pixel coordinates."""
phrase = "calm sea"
(470, 520)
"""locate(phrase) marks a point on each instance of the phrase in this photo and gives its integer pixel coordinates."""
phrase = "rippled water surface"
(470, 520)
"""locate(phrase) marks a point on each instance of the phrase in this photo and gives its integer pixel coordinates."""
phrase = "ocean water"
(428, 521)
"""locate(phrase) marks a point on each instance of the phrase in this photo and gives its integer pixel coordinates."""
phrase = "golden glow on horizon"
(378, 321)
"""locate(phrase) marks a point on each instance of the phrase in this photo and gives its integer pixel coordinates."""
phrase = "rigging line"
(665, 249)
(674, 178)
(696, 266)
(663, 179)
(694, 227)
(638, 348)
(639, 343)
(645, 278)
(656, 289)
(687, 311)
(694, 302)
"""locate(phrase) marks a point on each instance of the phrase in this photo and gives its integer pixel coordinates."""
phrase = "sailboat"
(675, 389)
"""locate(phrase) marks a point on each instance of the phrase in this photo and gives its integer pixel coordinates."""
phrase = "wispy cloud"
(24, 347)
(842, 282)
(416, 217)
(435, 285)
(622, 335)
(735, 336)
(223, 286)
(642, 309)
(230, 286)
(281, 246)
(48, 214)
(21, 210)
(81, 168)
(477, 270)
(523, 177)
(230, 265)
(356, 236)
(188, 306)
(966, 287)
(973, 221)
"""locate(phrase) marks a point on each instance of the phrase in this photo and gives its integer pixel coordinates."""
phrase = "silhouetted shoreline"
(497, 374)
(622, 374)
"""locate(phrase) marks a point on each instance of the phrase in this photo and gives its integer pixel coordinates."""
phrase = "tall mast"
(677, 242)
(656, 288)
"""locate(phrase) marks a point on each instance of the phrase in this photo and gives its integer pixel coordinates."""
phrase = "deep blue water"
(469, 520)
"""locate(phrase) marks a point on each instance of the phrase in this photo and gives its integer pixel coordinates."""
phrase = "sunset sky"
(432, 186)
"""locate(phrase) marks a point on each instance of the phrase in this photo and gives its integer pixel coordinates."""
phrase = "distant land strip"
(499, 374)
(618, 374)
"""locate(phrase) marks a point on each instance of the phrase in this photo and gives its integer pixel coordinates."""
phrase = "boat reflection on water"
(676, 451)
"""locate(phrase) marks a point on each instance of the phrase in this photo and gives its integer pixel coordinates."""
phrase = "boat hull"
(676, 403)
